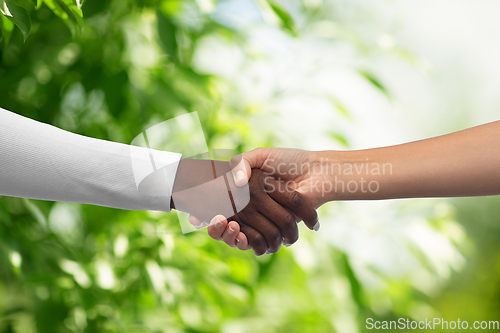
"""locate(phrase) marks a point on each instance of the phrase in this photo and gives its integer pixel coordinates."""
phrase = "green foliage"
(286, 20)
(375, 81)
(79, 268)
(69, 11)
(18, 15)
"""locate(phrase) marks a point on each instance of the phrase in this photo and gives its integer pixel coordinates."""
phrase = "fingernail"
(218, 224)
(230, 231)
(240, 175)
(237, 240)
(316, 226)
(286, 244)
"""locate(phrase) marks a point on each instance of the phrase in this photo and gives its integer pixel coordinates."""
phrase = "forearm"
(464, 163)
(40, 161)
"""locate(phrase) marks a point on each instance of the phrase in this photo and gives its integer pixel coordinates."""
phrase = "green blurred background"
(312, 74)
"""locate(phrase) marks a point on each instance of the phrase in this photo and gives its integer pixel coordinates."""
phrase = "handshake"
(288, 185)
(268, 195)
(254, 201)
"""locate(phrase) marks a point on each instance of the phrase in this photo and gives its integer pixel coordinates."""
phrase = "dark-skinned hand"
(266, 210)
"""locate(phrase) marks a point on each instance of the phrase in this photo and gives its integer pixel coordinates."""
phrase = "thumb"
(241, 170)
(242, 165)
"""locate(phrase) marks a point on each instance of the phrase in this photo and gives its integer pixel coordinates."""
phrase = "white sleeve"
(40, 161)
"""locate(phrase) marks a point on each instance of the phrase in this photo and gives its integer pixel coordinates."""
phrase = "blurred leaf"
(69, 12)
(339, 138)
(18, 15)
(6, 28)
(171, 7)
(339, 106)
(286, 19)
(36, 212)
(93, 7)
(36, 3)
(357, 291)
(167, 33)
(373, 80)
(57, 9)
(75, 8)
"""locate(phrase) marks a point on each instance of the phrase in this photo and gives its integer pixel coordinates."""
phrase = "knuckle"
(255, 191)
(288, 221)
(296, 199)
(275, 237)
(259, 150)
(214, 234)
(241, 217)
(258, 242)
(269, 186)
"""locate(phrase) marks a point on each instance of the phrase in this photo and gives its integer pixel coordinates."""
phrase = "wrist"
(353, 175)
(190, 174)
